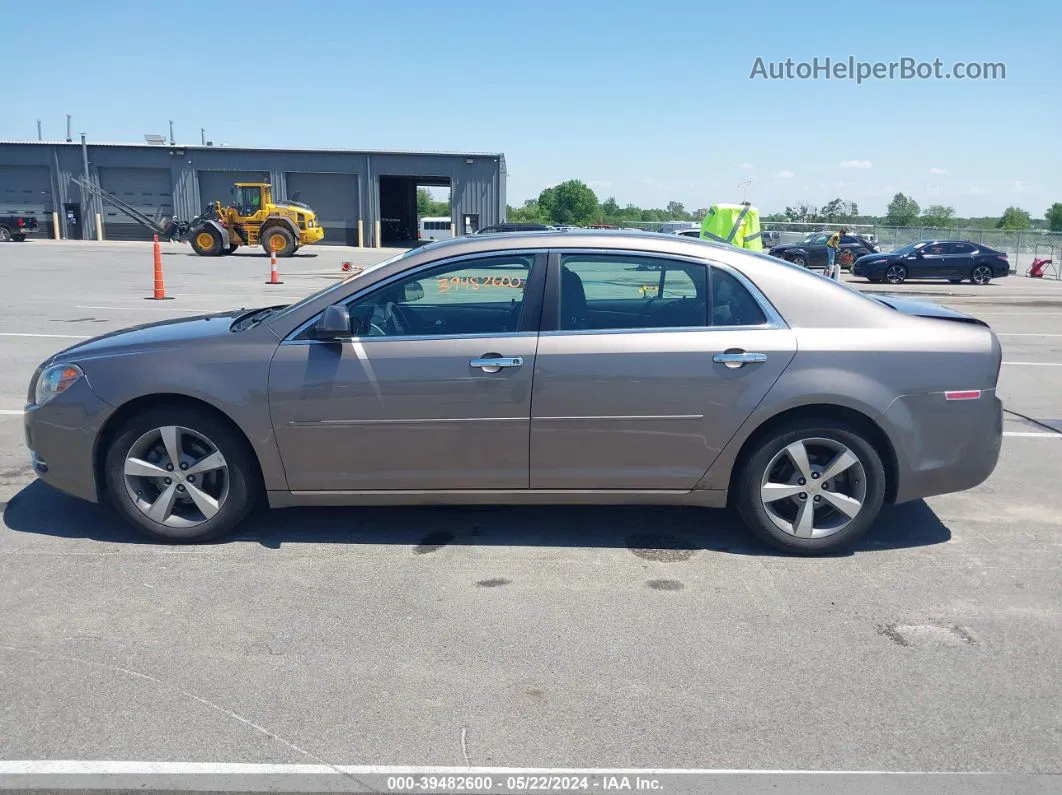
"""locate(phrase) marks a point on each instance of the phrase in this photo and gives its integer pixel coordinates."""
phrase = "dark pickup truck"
(16, 227)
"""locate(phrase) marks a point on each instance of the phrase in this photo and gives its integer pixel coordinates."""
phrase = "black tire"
(199, 239)
(242, 479)
(896, 274)
(753, 471)
(799, 260)
(981, 275)
(279, 239)
(232, 249)
(5, 234)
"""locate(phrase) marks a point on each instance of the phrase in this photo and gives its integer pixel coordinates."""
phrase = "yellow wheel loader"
(253, 219)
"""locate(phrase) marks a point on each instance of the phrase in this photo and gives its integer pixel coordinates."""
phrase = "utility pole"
(172, 142)
(68, 137)
(39, 136)
(202, 135)
(86, 199)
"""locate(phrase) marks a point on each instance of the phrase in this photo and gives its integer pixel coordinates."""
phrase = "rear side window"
(960, 248)
(732, 304)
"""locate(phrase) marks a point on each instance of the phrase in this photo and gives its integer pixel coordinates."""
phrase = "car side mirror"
(412, 291)
(334, 323)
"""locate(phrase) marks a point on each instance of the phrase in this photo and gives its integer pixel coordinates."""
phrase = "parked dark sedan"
(811, 251)
(953, 260)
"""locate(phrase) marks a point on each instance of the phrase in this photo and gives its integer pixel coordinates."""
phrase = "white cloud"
(938, 171)
(599, 184)
(648, 181)
(855, 164)
(978, 190)
(783, 174)
(1022, 187)
(745, 166)
(840, 184)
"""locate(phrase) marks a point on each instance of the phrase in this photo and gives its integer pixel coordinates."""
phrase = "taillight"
(21, 221)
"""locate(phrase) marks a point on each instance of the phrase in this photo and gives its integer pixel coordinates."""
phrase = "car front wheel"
(798, 260)
(896, 274)
(811, 488)
(180, 475)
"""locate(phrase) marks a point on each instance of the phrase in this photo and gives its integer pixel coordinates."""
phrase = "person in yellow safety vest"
(737, 224)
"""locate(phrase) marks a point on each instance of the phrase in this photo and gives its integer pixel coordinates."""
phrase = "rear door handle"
(495, 364)
(735, 359)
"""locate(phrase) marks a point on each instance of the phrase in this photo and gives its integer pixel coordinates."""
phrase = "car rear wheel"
(896, 274)
(811, 487)
(981, 274)
(798, 260)
(180, 475)
(5, 234)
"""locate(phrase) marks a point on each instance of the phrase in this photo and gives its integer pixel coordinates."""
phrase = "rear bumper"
(943, 446)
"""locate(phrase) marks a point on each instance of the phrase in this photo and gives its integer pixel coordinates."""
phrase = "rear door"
(646, 368)
(960, 258)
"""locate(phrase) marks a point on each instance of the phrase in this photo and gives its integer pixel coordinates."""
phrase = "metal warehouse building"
(361, 198)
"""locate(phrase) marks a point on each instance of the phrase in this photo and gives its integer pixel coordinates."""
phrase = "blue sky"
(645, 102)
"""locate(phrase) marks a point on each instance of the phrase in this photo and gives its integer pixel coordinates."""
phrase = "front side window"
(473, 296)
(609, 291)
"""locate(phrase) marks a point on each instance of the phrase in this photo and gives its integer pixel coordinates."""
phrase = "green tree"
(902, 211)
(803, 212)
(1054, 217)
(609, 207)
(571, 202)
(1014, 218)
(424, 202)
(677, 210)
(838, 210)
(938, 216)
(530, 213)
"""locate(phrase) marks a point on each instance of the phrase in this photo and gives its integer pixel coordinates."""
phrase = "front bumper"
(943, 446)
(311, 235)
(61, 436)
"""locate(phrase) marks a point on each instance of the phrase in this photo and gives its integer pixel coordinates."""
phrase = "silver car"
(557, 368)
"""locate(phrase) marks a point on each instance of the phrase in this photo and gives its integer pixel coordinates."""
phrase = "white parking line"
(1033, 434)
(44, 336)
(11, 412)
(1035, 364)
(1014, 334)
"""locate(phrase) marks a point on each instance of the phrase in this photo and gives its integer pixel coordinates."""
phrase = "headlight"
(55, 380)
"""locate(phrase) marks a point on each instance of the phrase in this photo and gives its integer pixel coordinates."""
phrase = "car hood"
(910, 306)
(147, 336)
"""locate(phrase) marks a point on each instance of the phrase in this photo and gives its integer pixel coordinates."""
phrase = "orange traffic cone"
(273, 269)
(159, 293)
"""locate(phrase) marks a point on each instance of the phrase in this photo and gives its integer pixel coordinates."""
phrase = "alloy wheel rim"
(813, 488)
(4, 235)
(894, 274)
(982, 274)
(176, 477)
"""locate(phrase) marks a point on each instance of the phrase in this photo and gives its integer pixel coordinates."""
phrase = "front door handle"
(495, 364)
(735, 359)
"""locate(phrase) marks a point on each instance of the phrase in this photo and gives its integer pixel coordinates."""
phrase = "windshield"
(336, 285)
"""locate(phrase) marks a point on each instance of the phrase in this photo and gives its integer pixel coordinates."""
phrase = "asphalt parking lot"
(529, 637)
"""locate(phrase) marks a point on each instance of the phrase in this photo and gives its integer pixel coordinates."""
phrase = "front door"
(644, 377)
(932, 262)
(433, 391)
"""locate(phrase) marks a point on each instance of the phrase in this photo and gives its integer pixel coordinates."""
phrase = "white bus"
(435, 227)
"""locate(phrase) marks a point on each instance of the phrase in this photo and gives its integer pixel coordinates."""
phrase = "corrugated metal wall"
(477, 181)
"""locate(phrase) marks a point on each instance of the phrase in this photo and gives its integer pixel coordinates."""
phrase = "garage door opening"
(405, 201)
